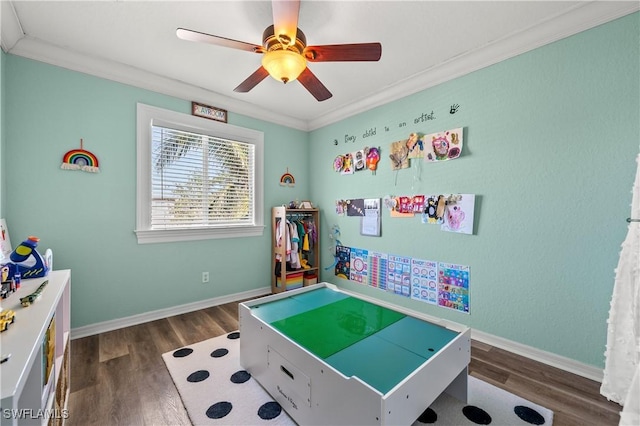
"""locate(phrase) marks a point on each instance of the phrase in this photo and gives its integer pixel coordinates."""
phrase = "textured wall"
(551, 138)
(88, 219)
(550, 143)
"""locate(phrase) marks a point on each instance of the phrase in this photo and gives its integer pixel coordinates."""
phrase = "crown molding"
(11, 30)
(32, 48)
(582, 17)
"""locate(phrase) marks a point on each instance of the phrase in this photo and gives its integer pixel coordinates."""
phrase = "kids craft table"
(329, 357)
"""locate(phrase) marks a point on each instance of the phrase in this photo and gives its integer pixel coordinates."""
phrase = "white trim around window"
(148, 116)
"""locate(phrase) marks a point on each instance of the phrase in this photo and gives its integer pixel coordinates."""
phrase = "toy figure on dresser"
(8, 284)
(7, 316)
(29, 299)
(25, 261)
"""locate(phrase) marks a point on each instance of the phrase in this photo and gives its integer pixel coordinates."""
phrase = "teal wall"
(551, 138)
(88, 219)
(550, 143)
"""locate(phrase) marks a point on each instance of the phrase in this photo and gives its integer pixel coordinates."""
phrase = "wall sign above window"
(206, 111)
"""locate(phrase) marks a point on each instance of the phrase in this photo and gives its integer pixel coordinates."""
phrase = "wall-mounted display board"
(436, 283)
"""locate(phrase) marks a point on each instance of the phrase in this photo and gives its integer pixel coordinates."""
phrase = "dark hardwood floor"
(119, 378)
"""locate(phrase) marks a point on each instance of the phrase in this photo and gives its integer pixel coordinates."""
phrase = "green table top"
(358, 338)
(331, 328)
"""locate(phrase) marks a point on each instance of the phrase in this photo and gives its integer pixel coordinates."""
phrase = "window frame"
(148, 116)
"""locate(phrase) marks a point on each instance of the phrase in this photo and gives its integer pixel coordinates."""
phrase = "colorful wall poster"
(399, 155)
(424, 277)
(453, 286)
(459, 215)
(442, 146)
(355, 207)
(341, 207)
(415, 146)
(399, 275)
(5, 242)
(343, 261)
(359, 266)
(347, 164)
(378, 270)
(359, 160)
(437, 283)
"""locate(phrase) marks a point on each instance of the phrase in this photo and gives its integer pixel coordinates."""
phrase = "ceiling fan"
(285, 51)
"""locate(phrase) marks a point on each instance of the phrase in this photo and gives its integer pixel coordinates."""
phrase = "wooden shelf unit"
(26, 399)
(279, 216)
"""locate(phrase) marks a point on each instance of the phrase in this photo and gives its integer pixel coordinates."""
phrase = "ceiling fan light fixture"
(284, 65)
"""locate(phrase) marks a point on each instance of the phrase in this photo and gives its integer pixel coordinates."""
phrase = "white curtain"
(621, 381)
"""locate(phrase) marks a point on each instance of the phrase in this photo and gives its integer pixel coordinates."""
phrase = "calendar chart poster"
(343, 261)
(378, 270)
(399, 275)
(424, 281)
(453, 286)
(359, 266)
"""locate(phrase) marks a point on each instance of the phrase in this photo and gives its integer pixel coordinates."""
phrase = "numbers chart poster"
(436, 283)
(453, 286)
(378, 270)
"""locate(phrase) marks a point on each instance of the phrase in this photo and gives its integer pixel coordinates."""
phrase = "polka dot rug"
(216, 390)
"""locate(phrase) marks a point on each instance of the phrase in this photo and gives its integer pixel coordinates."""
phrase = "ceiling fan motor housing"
(272, 42)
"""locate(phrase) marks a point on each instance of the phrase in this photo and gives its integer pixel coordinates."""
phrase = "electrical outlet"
(205, 277)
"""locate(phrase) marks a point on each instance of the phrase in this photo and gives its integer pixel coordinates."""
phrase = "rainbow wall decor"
(79, 159)
(287, 179)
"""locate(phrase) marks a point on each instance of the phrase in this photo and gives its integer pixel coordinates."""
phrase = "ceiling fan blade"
(285, 20)
(313, 85)
(252, 81)
(191, 35)
(344, 52)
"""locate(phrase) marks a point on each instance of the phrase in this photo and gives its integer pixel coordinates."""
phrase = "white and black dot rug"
(215, 390)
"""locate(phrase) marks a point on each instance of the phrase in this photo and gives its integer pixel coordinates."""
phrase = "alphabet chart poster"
(359, 265)
(424, 277)
(453, 286)
(399, 275)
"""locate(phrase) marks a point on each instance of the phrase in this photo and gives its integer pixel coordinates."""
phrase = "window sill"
(174, 235)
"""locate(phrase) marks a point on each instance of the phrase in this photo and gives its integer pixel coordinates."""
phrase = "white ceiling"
(424, 43)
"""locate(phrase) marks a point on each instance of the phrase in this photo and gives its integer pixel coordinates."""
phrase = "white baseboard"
(548, 358)
(530, 352)
(563, 363)
(102, 327)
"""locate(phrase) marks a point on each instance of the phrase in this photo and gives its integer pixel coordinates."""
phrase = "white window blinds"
(200, 181)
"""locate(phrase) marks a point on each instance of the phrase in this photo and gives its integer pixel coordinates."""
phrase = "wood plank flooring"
(119, 378)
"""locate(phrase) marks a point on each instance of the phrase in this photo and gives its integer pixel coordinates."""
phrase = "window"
(197, 178)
